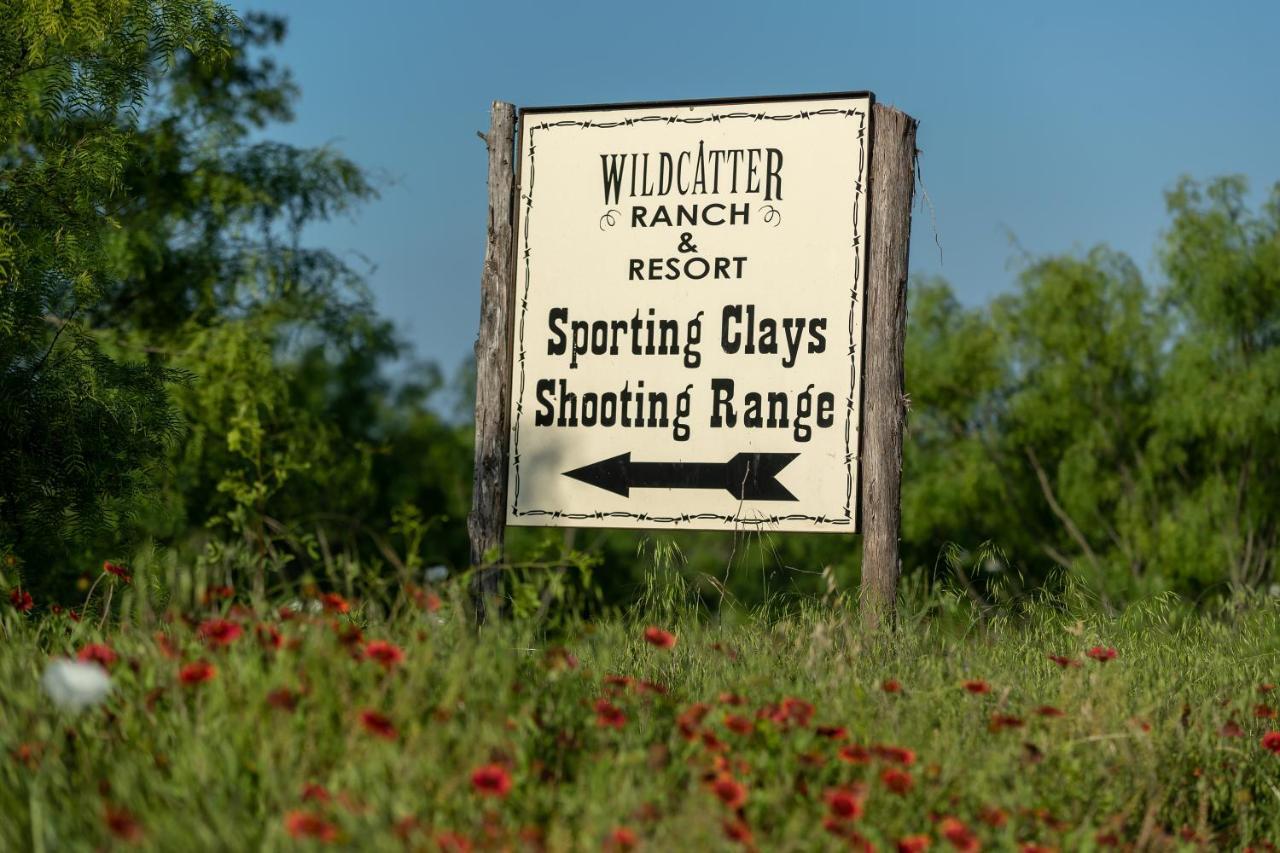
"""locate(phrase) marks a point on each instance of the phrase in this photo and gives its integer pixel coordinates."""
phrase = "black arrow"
(747, 476)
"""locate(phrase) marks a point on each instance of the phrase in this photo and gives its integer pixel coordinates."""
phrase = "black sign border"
(850, 519)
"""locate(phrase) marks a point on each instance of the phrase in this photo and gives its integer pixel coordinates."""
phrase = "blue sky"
(1057, 126)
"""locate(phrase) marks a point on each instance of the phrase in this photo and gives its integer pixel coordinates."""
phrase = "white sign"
(688, 316)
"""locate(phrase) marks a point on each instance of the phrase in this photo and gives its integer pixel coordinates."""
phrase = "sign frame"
(853, 520)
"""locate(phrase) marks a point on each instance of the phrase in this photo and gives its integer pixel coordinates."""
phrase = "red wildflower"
(452, 842)
(1000, 722)
(378, 725)
(1231, 729)
(738, 725)
(1265, 712)
(993, 816)
(731, 699)
(1031, 847)
(958, 834)
(854, 754)
(28, 754)
(1050, 711)
(1101, 654)
(491, 780)
(122, 824)
(196, 672)
(335, 603)
(832, 732)
(891, 685)
(97, 653)
(621, 839)
(896, 754)
(219, 632)
(218, 593)
(313, 791)
(349, 636)
(119, 571)
(387, 655)
(300, 824)
(1271, 742)
(977, 686)
(896, 780)
(269, 636)
(655, 636)
(730, 791)
(913, 844)
(1266, 688)
(609, 715)
(283, 698)
(21, 599)
(690, 718)
(797, 711)
(736, 830)
(1063, 661)
(845, 803)
(713, 743)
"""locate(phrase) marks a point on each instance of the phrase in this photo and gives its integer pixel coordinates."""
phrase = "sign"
(688, 315)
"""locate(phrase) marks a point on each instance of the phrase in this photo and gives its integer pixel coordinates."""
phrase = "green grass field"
(376, 726)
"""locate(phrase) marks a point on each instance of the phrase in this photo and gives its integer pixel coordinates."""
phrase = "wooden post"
(487, 522)
(893, 158)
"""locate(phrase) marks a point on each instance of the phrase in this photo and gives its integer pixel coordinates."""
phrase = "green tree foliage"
(79, 427)
(1093, 422)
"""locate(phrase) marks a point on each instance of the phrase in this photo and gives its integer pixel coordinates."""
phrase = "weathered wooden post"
(892, 188)
(487, 522)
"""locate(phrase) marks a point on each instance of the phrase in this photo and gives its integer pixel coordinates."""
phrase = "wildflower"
(609, 715)
(896, 754)
(655, 636)
(119, 571)
(491, 780)
(738, 725)
(993, 816)
(28, 754)
(217, 593)
(1000, 722)
(713, 743)
(122, 824)
(313, 791)
(845, 803)
(730, 791)
(977, 686)
(897, 780)
(1265, 712)
(196, 672)
(74, 685)
(302, 824)
(796, 711)
(891, 685)
(1271, 741)
(736, 830)
(1100, 654)
(958, 834)
(378, 724)
(1231, 729)
(1063, 661)
(21, 600)
(621, 838)
(1031, 847)
(452, 842)
(690, 718)
(854, 754)
(1050, 711)
(731, 699)
(219, 632)
(1266, 688)
(832, 732)
(913, 844)
(269, 636)
(97, 653)
(335, 603)
(387, 655)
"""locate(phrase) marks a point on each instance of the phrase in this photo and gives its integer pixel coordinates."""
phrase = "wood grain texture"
(486, 524)
(893, 158)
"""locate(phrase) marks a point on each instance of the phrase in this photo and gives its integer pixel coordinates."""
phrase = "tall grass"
(607, 739)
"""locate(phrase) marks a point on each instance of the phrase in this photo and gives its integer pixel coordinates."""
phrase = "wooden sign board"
(687, 322)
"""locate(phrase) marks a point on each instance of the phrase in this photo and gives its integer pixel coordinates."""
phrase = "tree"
(80, 428)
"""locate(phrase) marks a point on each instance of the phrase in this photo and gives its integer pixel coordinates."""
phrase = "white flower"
(73, 685)
(435, 574)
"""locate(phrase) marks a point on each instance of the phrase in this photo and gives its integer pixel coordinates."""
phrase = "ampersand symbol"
(686, 244)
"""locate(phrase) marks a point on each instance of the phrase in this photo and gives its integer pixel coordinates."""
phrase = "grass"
(608, 740)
